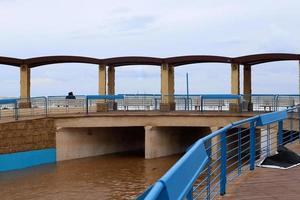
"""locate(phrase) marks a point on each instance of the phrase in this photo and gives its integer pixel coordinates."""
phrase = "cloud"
(99, 28)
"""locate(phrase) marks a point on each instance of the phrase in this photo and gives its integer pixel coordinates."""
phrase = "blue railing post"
(223, 175)
(280, 136)
(189, 196)
(239, 152)
(252, 145)
(209, 143)
(268, 140)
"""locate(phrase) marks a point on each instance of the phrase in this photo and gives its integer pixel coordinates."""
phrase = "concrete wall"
(72, 143)
(164, 141)
(27, 135)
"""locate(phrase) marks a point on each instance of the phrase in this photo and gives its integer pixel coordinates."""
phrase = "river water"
(115, 176)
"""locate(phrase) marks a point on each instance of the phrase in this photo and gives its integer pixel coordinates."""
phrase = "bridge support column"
(102, 105)
(167, 88)
(111, 84)
(25, 87)
(235, 86)
(248, 86)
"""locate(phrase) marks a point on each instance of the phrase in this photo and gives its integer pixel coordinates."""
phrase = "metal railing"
(15, 108)
(212, 162)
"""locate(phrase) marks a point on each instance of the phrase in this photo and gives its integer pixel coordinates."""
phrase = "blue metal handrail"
(177, 183)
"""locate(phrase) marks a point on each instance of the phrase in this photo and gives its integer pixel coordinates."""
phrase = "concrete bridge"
(168, 65)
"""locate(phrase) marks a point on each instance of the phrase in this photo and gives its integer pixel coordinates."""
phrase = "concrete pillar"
(102, 79)
(248, 86)
(111, 80)
(235, 86)
(111, 85)
(25, 86)
(167, 87)
(102, 105)
(216, 144)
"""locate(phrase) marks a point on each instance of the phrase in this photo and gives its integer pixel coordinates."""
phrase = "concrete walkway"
(267, 184)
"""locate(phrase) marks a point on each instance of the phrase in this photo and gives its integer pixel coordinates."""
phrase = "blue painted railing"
(206, 169)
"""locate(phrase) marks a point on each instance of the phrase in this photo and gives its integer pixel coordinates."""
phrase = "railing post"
(16, 111)
(201, 103)
(291, 127)
(209, 143)
(280, 136)
(223, 175)
(189, 195)
(87, 105)
(268, 140)
(252, 145)
(239, 152)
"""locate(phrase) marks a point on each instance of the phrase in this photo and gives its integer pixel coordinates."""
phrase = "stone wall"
(27, 135)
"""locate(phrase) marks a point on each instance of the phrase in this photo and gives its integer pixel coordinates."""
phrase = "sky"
(161, 28)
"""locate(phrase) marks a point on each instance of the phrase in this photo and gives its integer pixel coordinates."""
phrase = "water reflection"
(117, 176)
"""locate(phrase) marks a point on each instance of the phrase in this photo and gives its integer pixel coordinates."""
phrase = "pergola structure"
(107, 69)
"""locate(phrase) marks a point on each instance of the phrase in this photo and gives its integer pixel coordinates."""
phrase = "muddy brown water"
(115, 176)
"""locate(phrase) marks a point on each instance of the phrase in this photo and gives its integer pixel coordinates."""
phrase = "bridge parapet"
(13, 109)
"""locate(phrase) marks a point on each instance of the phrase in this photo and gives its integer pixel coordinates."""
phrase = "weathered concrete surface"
(74, 143)
(173, 119)
(27, 135)
(164, 141)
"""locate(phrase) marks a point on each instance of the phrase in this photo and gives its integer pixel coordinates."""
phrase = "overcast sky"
(161, 28)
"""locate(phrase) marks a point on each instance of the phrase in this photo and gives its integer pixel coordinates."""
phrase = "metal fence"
(211, 163)
(38, 106)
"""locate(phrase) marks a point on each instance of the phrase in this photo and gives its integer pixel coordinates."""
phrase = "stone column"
(111, 84)
(111, 80)
(102, 105)
(235, 86)
(167, 88)
(248, 86)
(25, 86)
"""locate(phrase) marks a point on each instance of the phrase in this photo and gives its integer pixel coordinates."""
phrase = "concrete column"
(102, 105)
(216, 144)
(248, 86)
(235, 86)
(167, 87)
(102, 79)
(111, 80)
(25, 86)
(111, 85)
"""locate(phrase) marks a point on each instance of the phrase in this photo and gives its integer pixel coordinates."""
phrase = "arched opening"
(9, 81)
(139, 79)
(276, 78)
(204, 78)
(59, 79)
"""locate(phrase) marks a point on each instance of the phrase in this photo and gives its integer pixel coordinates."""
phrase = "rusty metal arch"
(141, 60)
(10, 61)
(194, 59)
(47, 60)
(132, 60)
(264, 58)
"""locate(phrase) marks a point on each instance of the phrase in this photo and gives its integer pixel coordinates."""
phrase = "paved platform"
(267, 184)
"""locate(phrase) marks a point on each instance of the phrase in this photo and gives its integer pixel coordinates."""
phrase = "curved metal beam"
(140, 60)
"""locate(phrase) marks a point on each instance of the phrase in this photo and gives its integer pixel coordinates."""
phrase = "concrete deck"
(267, 184)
